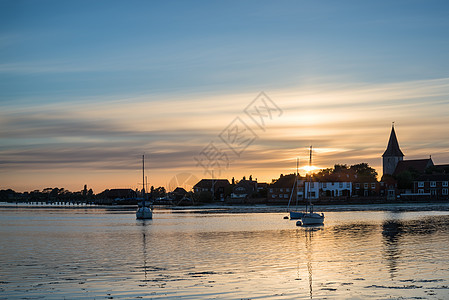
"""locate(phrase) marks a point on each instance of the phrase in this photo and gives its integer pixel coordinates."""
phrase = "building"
(244, 189)
(367, 189)
(282, 190)
(178, 193)
(336, 189)
(393, 162)
(414, 165)
(411, 178)
(311, 190)
(442, 169)
(214, 186)
(324, 189)
(392, 155)
(434, 185)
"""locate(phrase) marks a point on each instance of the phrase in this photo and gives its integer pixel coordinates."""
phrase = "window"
(280, 195)
(444, 191)
(273, 196)
(285, 195)
(340, 185)
(444, 183)
(357, 185)
(287, 190)
(365, 186)
(373, 185)
(324, 185)
(421, 191)
(433, 184)
(421, 184)
(348, 185)
(271, 190)
(282, 190)
(312, 185)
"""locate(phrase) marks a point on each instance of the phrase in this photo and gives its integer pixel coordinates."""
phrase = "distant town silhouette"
(417, 180)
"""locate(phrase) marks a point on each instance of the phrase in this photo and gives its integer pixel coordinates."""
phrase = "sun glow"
(309, 169)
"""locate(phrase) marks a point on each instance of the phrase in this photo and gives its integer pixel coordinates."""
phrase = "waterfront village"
(418, 180)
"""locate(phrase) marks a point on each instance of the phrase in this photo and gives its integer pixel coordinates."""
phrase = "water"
(57, 253)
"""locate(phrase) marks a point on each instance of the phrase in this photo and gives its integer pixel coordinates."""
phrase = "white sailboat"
(309, 217)
(145, 207)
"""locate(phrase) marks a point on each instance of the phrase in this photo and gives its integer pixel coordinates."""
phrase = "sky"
(215, 88)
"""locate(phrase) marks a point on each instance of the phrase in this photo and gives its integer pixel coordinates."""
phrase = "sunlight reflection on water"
(94, 253)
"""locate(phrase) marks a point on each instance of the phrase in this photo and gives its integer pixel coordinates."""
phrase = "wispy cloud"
(344, 123)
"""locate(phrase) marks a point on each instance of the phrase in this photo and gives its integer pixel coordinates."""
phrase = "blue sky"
(88, 86)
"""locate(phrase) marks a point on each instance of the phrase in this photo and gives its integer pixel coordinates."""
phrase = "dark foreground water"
(57, 253)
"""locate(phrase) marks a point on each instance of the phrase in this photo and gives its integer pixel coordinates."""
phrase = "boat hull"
(144, 213)
(296, 215)
(312, 219)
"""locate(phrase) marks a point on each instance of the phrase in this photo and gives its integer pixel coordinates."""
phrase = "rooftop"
(393, 145)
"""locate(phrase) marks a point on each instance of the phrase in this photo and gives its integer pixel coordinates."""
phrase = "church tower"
(392, 155)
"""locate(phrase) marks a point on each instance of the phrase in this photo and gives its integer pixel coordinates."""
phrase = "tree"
(364, 172)
(85, 191)
(158, 192)
(325, 174)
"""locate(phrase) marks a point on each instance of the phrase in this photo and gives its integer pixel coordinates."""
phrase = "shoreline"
(255, 208)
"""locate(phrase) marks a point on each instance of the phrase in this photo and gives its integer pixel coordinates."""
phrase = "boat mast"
(143, 178)
(296, 182)
(310, 177)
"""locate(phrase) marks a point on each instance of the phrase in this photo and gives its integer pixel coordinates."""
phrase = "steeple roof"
(393, 145)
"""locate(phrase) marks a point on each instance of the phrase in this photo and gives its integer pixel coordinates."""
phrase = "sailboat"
(309, 217)
(295, 215)
(145, 207)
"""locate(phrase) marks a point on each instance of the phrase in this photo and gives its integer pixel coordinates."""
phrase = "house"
(389, 187)
(311, 189)
(326, 189)
(414, 165)
(261, 186)
(336, 189)
(434, 185)
(282, 190)
(367, 189)
(178, 193)
(443, 169)
(244, 189)
(214, 186)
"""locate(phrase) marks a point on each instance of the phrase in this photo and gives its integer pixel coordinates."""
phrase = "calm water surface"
(57, 253)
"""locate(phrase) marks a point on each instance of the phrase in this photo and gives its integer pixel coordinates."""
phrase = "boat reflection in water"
(309, 231)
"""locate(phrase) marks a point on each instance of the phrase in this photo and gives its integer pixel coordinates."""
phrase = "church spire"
(393, 145)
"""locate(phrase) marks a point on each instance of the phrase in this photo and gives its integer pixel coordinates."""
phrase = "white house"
(314, 190)
(335, 189)
(330, 189)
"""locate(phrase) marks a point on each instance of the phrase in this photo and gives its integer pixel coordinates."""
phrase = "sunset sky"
(87, 87)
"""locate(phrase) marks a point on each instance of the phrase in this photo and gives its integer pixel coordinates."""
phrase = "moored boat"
(309, 217)
(145, 207)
